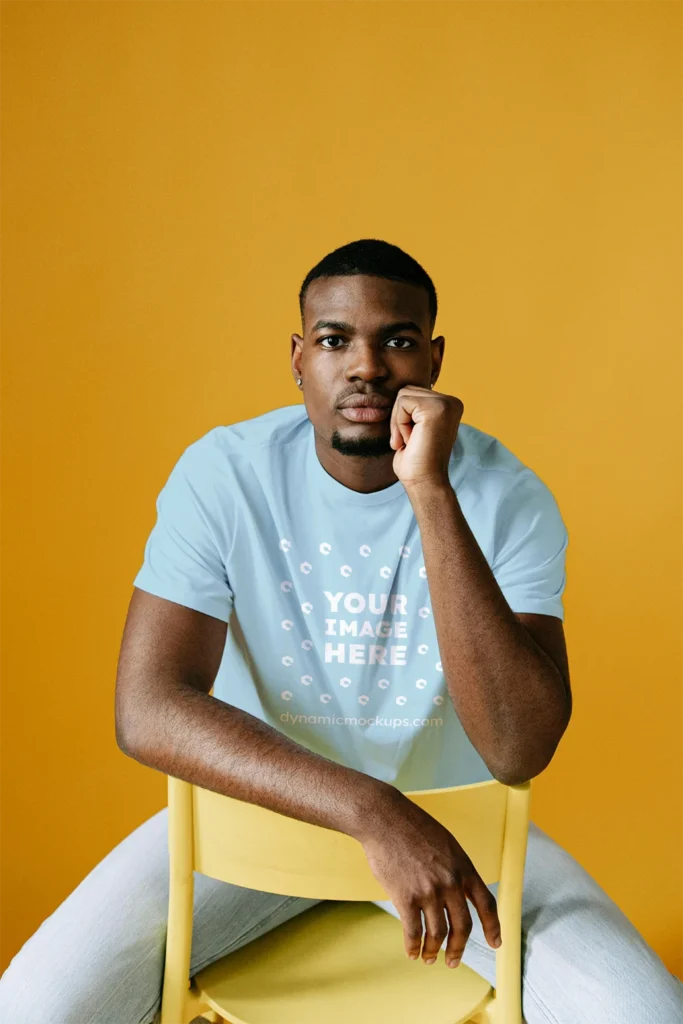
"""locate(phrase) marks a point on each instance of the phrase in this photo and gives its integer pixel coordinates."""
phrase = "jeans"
(99, 957)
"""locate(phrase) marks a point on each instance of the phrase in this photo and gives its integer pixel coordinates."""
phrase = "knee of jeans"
(27, 991)
(20, 991)
(38, 984)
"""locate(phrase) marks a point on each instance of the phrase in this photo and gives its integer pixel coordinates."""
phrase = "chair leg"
(197, 1011)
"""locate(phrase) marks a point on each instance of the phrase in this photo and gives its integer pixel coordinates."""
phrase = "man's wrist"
(430, 495)
(373, 807)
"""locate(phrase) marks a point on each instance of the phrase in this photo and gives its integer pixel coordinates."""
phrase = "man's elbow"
(516, 770)
(511, 778)
(128, 725)
(516, 774)
(126, 739)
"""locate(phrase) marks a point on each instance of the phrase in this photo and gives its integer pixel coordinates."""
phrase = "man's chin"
(369, 446)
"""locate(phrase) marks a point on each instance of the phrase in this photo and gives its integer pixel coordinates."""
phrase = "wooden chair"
(344, 962)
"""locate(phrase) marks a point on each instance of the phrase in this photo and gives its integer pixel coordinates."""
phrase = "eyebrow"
(341, 325)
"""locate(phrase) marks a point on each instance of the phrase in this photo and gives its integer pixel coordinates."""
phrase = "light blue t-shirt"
(331, 637)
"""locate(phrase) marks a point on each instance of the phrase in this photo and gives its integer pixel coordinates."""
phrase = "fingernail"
(496, 941)
(452, 963)
(431, 960)
(413, 956)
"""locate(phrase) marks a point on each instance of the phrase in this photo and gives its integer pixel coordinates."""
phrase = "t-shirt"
(331, 637)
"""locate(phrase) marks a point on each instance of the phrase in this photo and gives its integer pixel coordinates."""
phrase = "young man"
(392, 579)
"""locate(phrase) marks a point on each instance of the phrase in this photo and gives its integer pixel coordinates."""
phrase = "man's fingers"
(450, 916)
(460, 921)
(487, 908)
(411, 919)
(436, 929)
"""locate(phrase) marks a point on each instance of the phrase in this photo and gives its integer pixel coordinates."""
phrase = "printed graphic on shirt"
(363, 655)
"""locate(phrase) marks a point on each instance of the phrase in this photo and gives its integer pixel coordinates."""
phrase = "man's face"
(370, 354)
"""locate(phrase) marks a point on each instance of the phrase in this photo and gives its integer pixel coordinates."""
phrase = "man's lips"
(374, 401)
(366, 408)
(366, 413)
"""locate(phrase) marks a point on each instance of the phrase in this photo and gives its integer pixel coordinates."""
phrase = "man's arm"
(167, 719)
(511, 696)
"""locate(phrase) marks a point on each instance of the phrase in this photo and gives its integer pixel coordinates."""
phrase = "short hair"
(376, 258)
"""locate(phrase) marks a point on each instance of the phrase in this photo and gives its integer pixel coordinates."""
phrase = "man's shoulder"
(244, 437)
(488, 469)
(480, 452)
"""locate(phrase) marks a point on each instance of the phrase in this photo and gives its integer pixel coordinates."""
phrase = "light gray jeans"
(99, 957)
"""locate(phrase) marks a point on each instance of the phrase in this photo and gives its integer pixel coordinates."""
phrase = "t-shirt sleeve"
(182, 559)
(531, 542)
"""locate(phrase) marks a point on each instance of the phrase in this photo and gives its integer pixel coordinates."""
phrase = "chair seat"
(339, 963)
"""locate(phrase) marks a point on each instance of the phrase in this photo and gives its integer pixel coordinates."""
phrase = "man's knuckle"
(413, 901)
(461, 931)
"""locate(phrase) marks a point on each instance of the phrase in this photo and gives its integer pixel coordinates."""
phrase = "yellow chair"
(344, 962)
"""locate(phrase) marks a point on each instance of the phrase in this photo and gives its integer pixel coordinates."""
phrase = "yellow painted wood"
(337, 963)
(324, 864)
(344, 961)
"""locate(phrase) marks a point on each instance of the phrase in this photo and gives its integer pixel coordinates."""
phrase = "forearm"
(508, 694)
(191, 735)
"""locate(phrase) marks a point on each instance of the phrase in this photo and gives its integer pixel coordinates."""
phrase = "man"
(372, 589)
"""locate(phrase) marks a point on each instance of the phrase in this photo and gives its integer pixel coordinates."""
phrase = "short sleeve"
(182, 559)
(531, 542)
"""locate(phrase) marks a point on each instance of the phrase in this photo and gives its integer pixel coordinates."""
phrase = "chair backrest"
(257, 848)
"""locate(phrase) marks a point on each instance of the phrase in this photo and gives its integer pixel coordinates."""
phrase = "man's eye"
(338, 337)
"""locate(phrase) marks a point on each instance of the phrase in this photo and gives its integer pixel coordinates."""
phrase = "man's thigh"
(583, 959)
(99, 957)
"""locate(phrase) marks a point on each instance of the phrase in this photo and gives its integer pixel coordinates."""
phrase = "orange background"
(170, 172)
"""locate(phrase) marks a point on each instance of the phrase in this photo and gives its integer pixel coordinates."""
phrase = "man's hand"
(423, 868)
(424, 425)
